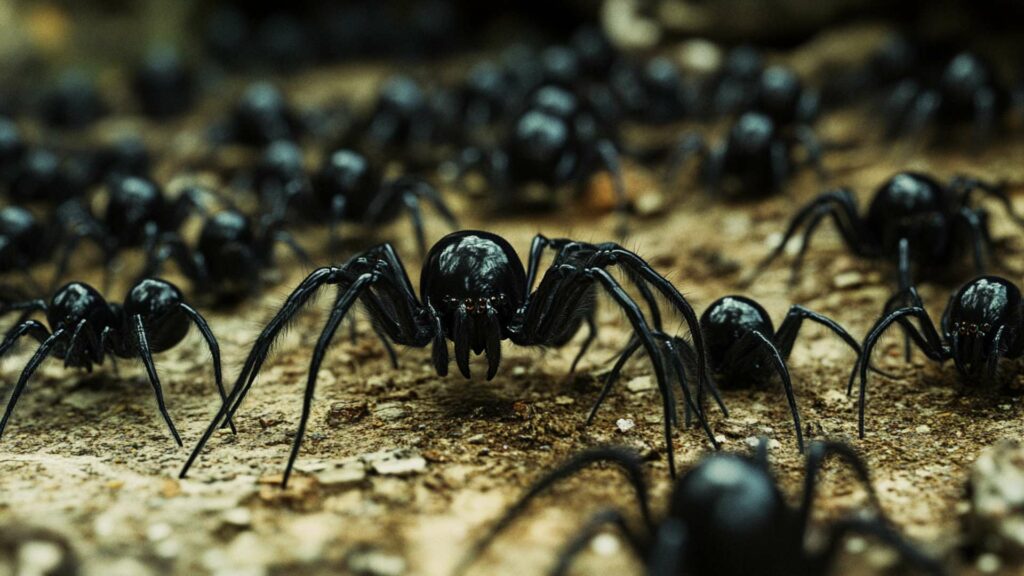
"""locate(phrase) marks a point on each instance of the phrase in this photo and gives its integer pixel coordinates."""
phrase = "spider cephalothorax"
(475, 294)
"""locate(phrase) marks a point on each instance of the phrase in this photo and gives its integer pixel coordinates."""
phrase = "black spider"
(476, 294)
(912, 218)
(982, 324)
(85, 329)
(25, 242)
(408, 122)
(731, 89)
(260, 116)
(726, 516)
(755, 159)
(136, 215)
(967, 91)
(558, 139)
(163, 84)
(744, 349)
(782, 96)
(654, 92)
(350, 187)
(72, 102)
(230, 255)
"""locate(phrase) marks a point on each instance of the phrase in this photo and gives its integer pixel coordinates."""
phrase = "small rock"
(373, 562)
(345, 476)
(476, 439)
(238, 517)
(389, 411)
(625, 424)
(849, 279)
(640, 384)
(754, 442)
(995, 522)
(923, 429)
(346, 412)
(564, 401)
(988, 564)
(395, 462)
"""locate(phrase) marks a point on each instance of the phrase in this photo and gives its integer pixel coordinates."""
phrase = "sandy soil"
(88, 457)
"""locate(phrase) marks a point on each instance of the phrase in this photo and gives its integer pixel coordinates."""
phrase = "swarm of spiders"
(535, 126)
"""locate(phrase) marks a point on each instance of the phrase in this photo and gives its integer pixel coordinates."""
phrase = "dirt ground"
(401, 470)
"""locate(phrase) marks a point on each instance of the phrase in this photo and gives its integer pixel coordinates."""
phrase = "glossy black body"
(475, 293)
(753, 161)
(725, 323)
(72, 102)
(726, 516)
(84, 329)
(262, 115)
(653, 92)
(982, 324)
(164, 85)
(135, 204)
(350, 187)
(558, 139)
(227, 262)
(967, 92)
(912, 219)
(24, 240)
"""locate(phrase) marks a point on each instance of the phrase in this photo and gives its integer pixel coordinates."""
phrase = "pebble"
(39, 557)
(995, 522)
(346, 412)
(625, 424)
(390, 411)
(640, 384)
(239, 517)
(754, 442)
(345, 476)
(849, 279)
(395, 462)
(372, 562)
(564, 400)
(476, 439)
(988, 564)
(923, 429)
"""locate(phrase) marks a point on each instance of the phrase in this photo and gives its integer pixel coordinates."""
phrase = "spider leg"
(439, 349)
(609, 160)
(586, 534)
(286, 238)
(753, 340)
(882, 531)
(786, 334)
(591, 335)
(817, 454)
(154, 380)
(934, 349)
(337, 315)
(211, 343)
(966, 185)
(626, 461)
(812, 146)
(493, 342)
(45, 347)
(460, 338)
(841, 205)
(612, 376)
(26, 307)
(690, 356)
(295, 302)
(972, 223)
(72, 347)
(995, 354)
(984, 117)
(30, 327)
(677, 365)
(643, 331)
(689, 144)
